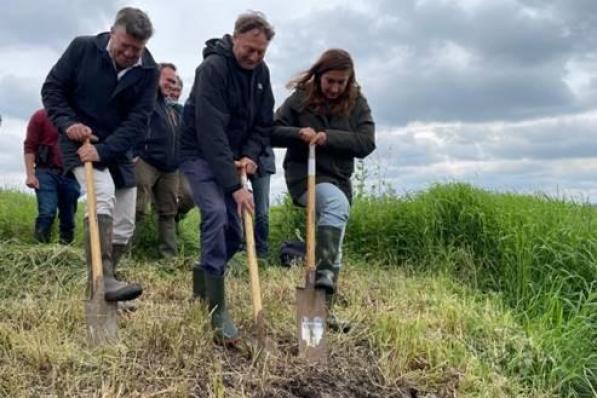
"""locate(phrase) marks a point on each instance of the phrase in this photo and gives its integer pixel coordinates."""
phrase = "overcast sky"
(499, 93)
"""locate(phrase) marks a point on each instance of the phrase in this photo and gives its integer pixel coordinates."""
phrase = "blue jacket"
(83, 87)
(229, 113)
(159, 147)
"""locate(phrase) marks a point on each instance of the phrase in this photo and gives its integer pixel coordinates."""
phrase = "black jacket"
(229, 113)
(348, 137)
(159, 147)
(83, 87)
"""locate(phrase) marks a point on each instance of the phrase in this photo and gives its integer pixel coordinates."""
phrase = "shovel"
(253, 271)
(311, 307)
(102, 316)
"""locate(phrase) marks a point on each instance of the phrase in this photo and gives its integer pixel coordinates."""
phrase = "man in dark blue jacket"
(227, 122)
(156, 164)
(103, 87)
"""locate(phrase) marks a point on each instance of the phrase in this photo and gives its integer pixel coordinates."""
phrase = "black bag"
(292, 253)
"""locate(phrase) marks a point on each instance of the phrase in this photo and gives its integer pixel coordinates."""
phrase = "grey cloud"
(19, 96)
(429, 146)
(516, 68)
(53, 24)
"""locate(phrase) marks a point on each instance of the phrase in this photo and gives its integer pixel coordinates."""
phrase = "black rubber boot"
(225, 330)
(118, 251)
(326, 252)
(43, 234)
(168, 246)
(198, 282)
(66, 237)
(114, 290)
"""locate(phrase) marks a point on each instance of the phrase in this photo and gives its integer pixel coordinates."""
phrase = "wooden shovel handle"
(310, 263)
(96, 257)
(251, 256)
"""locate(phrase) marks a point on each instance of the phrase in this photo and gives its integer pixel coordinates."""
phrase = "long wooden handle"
(251, 256)
(310, 263)
(96, 257)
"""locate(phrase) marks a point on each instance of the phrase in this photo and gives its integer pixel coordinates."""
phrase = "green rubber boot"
(114, 289)
(326, 252)
(198, 282)
(224, 328)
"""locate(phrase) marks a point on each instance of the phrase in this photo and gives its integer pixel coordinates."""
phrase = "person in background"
(227, 123)
(55, 191)
(326, 109)
(103, 88)
(260, 182)
(156, 165)
(184, 196)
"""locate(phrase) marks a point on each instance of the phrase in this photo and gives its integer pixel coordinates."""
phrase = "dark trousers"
(221, 232)
(56, 193)
(160, 188)
(261, 197)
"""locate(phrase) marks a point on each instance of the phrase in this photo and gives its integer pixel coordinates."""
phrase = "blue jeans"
(56, 193)
(332, 209)
(221, 233)
(261, 198)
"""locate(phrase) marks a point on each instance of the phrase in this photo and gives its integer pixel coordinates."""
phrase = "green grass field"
(454, 292)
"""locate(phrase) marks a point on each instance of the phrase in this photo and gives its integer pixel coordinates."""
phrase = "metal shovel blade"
(311, 321)
(102, 318)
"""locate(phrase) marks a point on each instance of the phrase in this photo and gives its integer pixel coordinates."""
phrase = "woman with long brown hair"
(327, 109)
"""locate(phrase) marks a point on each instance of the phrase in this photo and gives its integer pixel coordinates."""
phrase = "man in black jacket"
(227, 121)
(156, 164)
(103, 88)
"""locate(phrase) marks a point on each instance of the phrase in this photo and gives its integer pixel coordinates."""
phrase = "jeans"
(56, 193)
(221, 233)
(331, 209)
(261, 198)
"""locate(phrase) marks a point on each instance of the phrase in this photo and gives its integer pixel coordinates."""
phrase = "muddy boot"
(225, 330)
(66, 237)
(114, 289)
(167, 237)
(333, 322)
(119, 250)
(43, 229)
(42, 235)
(326, 252)
(198, 282)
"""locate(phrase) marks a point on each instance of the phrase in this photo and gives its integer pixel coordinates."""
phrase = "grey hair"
(135, 22)
(254, 20)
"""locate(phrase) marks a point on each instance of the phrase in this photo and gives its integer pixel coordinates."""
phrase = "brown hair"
(254, 20)
(310, 82)
(135, 22)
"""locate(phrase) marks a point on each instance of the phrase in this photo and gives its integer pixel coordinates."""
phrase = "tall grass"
(538, 253)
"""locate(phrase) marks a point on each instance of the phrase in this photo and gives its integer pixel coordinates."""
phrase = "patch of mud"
(352, 371)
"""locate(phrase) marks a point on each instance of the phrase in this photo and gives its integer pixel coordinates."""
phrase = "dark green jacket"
(348, 137)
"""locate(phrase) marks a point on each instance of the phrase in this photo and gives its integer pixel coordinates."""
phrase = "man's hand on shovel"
(87, 152)
(243, 197)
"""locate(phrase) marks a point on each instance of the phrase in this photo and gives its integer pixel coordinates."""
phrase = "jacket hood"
(222, 46)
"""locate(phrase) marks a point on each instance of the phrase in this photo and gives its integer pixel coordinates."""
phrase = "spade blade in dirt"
(264, 344)
(311, 307)
(102, 317)
(311, 321)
